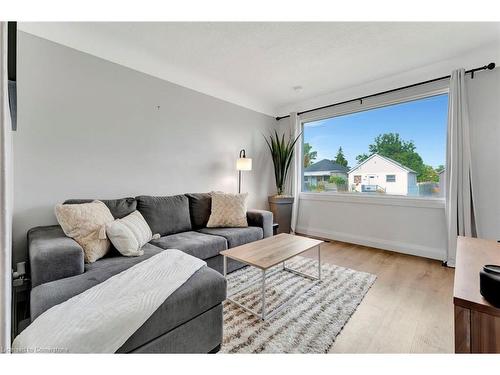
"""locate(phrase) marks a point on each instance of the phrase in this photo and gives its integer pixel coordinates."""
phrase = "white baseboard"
(400, 247)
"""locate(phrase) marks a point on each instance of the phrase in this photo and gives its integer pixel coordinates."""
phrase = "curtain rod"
(490, 66)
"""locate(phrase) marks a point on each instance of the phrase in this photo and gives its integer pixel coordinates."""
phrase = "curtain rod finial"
(491, 66)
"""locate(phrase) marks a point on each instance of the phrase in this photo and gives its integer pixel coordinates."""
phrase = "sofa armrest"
(52, 255)
(263, 219)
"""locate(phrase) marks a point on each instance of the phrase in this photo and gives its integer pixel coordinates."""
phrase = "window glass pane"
(397, 149)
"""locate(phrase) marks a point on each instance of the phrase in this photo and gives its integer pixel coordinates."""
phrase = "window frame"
(393, 98)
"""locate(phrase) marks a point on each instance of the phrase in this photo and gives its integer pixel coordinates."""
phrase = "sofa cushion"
(203, 290)
(200, 206)
(165, 215)
(199, 245)
(236, 236)
(119, 207)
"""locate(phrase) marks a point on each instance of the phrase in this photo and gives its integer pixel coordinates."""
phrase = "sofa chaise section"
(203, 292)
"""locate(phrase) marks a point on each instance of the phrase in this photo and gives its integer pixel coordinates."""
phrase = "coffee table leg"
(263, 312)
(224, 266)
(319, 262)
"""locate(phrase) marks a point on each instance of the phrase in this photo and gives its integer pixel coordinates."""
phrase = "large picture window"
(397, 149)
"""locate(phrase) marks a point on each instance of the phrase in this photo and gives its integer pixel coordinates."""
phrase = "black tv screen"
(12, 71)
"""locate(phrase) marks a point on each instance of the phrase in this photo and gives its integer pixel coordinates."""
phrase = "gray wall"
(88, 128)
(484, 113)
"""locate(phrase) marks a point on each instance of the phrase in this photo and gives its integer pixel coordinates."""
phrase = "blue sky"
(422, 121)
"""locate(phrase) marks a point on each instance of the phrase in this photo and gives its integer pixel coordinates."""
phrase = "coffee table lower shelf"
(264, 315)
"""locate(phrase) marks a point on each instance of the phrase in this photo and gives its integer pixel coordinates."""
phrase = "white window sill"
(384, 200)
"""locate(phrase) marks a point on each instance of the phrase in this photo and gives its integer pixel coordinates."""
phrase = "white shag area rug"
(309, 324)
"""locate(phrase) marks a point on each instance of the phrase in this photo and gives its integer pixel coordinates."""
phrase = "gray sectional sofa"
(190, 320)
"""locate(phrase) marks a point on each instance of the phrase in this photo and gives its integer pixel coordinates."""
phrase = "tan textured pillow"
(86, 224)
(228, 210)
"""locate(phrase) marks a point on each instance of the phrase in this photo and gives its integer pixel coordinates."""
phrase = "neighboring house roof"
(385, 158)
(326, 166)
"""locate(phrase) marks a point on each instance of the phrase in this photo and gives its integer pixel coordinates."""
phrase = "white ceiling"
(256, 65)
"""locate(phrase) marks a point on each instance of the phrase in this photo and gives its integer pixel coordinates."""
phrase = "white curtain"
(5, 197)
(295, 130)
(459, 190)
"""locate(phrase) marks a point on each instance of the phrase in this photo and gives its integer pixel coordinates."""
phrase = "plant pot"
(281, 207)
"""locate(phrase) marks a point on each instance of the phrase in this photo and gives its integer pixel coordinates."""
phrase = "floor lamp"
(242, 164)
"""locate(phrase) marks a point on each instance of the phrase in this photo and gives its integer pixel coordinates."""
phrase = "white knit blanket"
(101, 319)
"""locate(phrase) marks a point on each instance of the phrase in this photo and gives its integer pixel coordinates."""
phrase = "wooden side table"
(477, 322)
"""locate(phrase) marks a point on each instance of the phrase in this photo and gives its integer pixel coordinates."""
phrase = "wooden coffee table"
(268, 253)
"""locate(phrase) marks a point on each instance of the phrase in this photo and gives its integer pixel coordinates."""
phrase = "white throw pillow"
(86, 224)
(129, 234)
(228, 210)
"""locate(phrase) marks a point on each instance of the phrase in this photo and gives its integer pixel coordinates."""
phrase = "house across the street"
(383, 175)
(321, 171)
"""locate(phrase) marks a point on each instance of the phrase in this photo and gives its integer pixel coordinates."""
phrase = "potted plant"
(282, 151)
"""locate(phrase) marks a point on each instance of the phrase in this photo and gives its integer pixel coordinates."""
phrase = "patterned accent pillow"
(228, 210)
(86, 224)
(129, 234)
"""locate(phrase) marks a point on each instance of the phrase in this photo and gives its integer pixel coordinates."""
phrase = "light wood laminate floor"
(409, 309)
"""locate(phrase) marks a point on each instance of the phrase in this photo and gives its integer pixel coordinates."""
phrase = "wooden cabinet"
(477, 322)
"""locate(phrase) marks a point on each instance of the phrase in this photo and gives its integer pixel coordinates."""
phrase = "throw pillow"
(228, 210)
(86, 224)
(129, 234)
(200, 207)
(165, 215)
(119, 207)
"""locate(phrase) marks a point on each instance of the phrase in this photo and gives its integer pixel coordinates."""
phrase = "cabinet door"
(485, 337)
(462, 330)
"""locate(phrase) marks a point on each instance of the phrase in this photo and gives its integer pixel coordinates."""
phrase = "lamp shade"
(244, 164)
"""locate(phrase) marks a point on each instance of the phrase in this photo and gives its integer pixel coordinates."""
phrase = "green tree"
(362, 157)
(440, 168)
(309, 155)
(340, 158)
(392, 146)
(428, 174)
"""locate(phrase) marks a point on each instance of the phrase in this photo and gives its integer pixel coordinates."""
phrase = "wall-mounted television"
(12, 71)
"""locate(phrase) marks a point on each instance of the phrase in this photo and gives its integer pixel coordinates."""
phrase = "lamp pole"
(242, 164)
(241, 156)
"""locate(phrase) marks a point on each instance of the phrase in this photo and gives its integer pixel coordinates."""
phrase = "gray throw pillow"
(165, 215)
(200, 207)
(119, 207)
